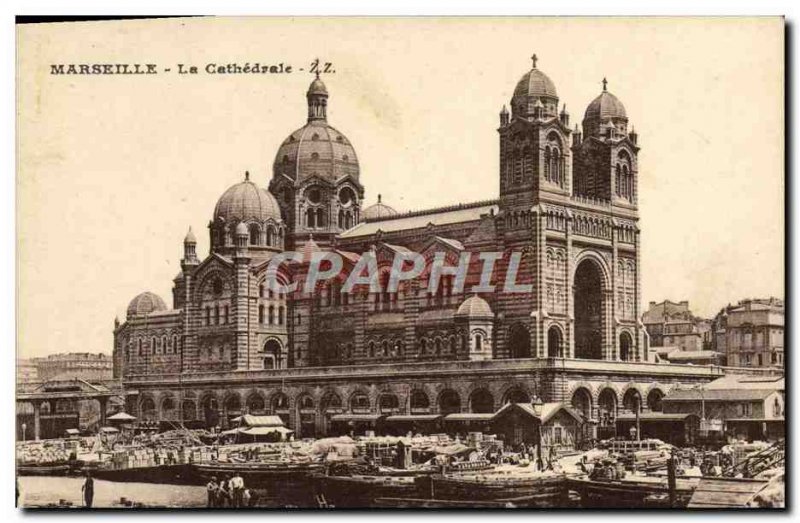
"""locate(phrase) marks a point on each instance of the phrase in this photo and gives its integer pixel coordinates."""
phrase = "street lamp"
(537, 405)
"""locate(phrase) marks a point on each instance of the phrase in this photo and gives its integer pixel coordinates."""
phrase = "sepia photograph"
(400, 263)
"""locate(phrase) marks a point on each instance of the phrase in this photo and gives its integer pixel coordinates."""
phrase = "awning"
(263, 431)
(121, 416)
(356, 417)
(414, 417)
(258, 421)
(469, 416)
(109, 429)
(73, 432)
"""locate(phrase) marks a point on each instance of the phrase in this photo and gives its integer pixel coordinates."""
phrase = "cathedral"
(567, 201)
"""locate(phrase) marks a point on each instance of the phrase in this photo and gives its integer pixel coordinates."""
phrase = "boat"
(502, 484)
(259, 473)
(414, 503)
(179, 474)
(361, 490)
(632, 492)
(44, 470)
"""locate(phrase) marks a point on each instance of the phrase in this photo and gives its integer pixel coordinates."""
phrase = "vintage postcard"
(401, 263)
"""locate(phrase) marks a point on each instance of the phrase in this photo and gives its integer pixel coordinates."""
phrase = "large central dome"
(317, 148)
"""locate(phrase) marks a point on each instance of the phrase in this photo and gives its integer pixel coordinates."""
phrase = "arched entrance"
(255, 404)
(555, 344)
(168, 409)
(516, 395)
(233, 407)
(582, 402)
(519, 341)
(632, 400)
(589, 311)
(189, 410)
(449, 402)
(654, 398)
(307, 416)
(388, 404)
(148, 410)
(279, 406)
(607, 413)
(419, 403)
(271, 357)
(210, 411)
(481, 402)
(625, 347)
(330, 405)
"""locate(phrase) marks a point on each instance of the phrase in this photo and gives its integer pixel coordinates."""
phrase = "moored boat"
(360, 490)
(537, 489)
(632, 491)
(44, 470)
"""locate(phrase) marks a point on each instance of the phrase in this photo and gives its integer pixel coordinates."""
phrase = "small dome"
(377, 211)
(190, 238)
(317, 87)
(604, 107)
(145, 303)
(474, 307)
(246, 201)
(241, 229)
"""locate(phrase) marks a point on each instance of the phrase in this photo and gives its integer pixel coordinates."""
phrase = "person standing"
(88, 490)
(246, 498)
(236, 485)
(212, 489)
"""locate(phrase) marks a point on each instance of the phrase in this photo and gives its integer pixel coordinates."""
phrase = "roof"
(660, 312)
(469, 416)
(535, 84)
(654, 416)
(718, 395)
(606, 105)
(263, 431)
(356, 417)
(474, 307)
(316, 150)
(260, 421)
(317, 87)
(146, 303)
(414, 417)
(378, 210)
(742, 382)
(245, 201)
(548, 410)
(121, 416)
(693, 355)
(421, 219)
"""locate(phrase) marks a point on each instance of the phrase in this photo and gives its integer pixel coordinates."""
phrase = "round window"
(314, 195)
(346, 196)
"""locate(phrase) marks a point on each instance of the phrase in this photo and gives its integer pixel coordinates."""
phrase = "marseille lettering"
(84, 69)
(388, 275)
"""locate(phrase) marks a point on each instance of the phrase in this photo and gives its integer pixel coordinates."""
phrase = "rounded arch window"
(315, 156)
(314, 137)
(216, 286)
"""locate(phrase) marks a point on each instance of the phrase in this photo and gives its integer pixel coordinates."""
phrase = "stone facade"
(231, 344)
(751, 333)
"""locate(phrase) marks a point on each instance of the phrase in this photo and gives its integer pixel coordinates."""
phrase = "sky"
(113, 170)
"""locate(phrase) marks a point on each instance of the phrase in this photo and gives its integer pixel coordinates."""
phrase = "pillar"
(37, 422)
(103, 405)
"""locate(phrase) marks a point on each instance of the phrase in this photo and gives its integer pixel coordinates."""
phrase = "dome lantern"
(317, 97)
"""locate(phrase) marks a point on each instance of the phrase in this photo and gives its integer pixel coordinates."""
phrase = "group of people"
(229, 492)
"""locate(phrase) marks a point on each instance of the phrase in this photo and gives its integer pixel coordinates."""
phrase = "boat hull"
(630, 494)
(538, 491)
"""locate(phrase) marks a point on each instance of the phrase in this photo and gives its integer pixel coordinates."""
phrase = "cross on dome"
(605, 84)
(534, 59)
